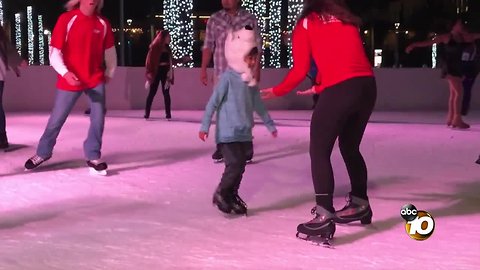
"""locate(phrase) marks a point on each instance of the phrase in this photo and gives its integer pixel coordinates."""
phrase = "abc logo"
(419, 224)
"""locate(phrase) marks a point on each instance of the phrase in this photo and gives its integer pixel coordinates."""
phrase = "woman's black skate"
(97, 167)
(319, 230)
(356, 209)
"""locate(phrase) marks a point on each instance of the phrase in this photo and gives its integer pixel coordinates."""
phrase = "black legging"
(342, 111)
(160, 77)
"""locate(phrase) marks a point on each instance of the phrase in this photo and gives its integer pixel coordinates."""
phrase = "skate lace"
(348, 199)
(239, 200)
(36, 159)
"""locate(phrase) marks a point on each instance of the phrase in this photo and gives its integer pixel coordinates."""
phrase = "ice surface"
(154, 210)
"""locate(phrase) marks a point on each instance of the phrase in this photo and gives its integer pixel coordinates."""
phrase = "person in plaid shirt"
(231, 18)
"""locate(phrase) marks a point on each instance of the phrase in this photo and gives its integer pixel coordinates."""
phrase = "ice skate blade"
(316, 240)
(94, 172)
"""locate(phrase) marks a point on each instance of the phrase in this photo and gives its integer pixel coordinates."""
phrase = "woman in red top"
(328, 33)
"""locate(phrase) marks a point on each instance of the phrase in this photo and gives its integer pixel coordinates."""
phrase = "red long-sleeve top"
(336, 48)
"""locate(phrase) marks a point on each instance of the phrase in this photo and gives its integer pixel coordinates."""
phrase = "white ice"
(154, 209)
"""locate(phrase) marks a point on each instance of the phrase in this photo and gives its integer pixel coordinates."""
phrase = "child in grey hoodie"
(234, 99)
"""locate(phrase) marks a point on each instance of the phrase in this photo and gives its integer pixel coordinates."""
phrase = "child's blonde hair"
(72, 4)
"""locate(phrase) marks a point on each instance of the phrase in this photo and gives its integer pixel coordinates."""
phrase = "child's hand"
(203, 135)
(275, 134)
(267, 93)
(307, 92)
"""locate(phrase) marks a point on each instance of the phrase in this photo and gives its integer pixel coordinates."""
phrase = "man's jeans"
(64, 102)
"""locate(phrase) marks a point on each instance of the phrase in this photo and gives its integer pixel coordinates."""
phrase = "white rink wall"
(414, 89)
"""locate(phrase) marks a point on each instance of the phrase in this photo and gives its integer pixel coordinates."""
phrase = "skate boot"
(478, 160)
(356, 209)
(97, 167)
(34, 162)
(217, 157)
(320, 229)
(3, 141)
(239, 207)
(222, 201)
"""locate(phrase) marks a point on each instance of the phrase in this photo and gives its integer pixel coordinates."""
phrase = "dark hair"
(336, 8)
(164, 34)
(253, 52)
(160, 43)
(460, 18)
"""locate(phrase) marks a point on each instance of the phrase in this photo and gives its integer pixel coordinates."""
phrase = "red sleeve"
(109, 38)
(59, 32)
(301, 61)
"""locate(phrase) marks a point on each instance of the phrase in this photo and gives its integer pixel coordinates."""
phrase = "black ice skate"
(222, 201)
(319, 230)
(97, 167)
(217, 157)
(34, 162)
(478, 160)
(239, 207)
(356, 209)
(3, 141)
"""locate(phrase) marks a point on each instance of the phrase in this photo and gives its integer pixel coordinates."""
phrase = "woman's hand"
(409, 48)
(185, 59)
(307, 92)
(267, 93)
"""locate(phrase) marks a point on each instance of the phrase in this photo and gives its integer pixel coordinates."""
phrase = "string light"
(18, 33)
(30, 35)
(275, 32)
(1, 12)
(294, 9)
(41, 41)
(434, 55)
(49, 36)
(178, 21)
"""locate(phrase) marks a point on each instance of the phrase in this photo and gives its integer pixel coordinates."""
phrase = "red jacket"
(336, 48)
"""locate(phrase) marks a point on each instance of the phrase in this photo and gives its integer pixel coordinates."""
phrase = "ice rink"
(154, 211)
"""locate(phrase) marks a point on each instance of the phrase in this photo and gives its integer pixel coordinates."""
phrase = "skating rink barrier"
(413, 89)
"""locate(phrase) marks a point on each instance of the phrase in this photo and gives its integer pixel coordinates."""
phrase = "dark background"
(421, 18)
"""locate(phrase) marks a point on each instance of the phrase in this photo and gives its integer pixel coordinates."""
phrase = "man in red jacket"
(82, 41)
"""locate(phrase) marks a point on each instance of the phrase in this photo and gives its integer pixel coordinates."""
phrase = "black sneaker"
(35, 161)
(356, 209)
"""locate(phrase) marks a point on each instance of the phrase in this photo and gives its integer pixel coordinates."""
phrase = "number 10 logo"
(420, 224)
